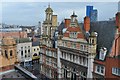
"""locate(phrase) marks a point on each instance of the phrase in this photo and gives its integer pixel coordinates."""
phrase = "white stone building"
(24, 49)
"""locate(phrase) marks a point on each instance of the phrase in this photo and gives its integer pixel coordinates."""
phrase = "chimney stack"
(118, 20)
(67, 23)
(87, 24)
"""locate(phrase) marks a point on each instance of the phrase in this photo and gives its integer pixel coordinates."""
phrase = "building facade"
(8, 55)
(35, 51)
(75, 52)
(24, 49)
(17, 34)
(47, 50)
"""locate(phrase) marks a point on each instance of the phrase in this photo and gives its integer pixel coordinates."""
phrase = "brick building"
(107, 61)
(76, 52)
(13, 34)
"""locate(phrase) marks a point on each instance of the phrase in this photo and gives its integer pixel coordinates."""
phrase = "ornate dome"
(49, 9)
(94, 34)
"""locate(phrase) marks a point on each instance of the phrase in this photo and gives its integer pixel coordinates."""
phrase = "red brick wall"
(108, 64)
(14, 34)
(87, 23)
(67, 22)
(111, 62)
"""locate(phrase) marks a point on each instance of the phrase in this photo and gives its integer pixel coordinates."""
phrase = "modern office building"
(91, 13)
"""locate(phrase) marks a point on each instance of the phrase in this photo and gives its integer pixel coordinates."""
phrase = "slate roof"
(23, 40)
(61, 27)
(106, 34)
(105, 29)
(35, 43)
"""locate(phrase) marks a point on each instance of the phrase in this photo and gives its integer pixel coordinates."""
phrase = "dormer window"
(102, 53)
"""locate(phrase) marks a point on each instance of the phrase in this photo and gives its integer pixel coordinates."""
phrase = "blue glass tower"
(88, 10)
(91, 13)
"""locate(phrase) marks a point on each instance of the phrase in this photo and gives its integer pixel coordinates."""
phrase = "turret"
(49, 13)
(93, 42)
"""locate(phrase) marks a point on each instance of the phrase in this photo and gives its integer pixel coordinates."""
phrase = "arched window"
(6, 55)
(11, 52)
(21, 53)
(93, 41)
(35, 54)
(25, 51)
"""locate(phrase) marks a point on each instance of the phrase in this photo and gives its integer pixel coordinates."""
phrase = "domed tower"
(48, 21)
(49, 13)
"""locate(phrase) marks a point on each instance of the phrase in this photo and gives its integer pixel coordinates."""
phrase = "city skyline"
(32, 12)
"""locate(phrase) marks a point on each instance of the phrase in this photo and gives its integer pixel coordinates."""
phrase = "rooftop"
(23, 40)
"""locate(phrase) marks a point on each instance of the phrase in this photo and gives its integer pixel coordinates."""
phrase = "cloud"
(31, 12)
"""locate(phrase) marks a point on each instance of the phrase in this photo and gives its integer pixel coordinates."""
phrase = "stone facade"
(47, 50)
(8, 55)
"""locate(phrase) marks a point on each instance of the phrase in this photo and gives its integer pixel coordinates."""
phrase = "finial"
(73, 12)
(49, 5)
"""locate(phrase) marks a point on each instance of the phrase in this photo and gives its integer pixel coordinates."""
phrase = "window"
(25, 56)
(102, 53)
(37, 48)
(62, 54)
(28, 50)
(92, 40)
(21, 48)
(21, 53)
(10, 52)
(73, 35)
(84, 61)
(81, 47)
(55, 54)
(6, 55)
(74, 45)
(25, 51)
(100, 69)
(116, 71)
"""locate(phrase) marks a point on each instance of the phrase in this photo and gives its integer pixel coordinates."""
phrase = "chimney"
(87, 24)
(67, 23)
(118, 21)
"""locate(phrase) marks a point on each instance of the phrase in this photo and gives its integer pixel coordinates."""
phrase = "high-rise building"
(91, 13)
(119, 6)
(88, 10)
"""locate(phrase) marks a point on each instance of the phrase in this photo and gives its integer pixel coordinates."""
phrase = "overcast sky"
(29, 13)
